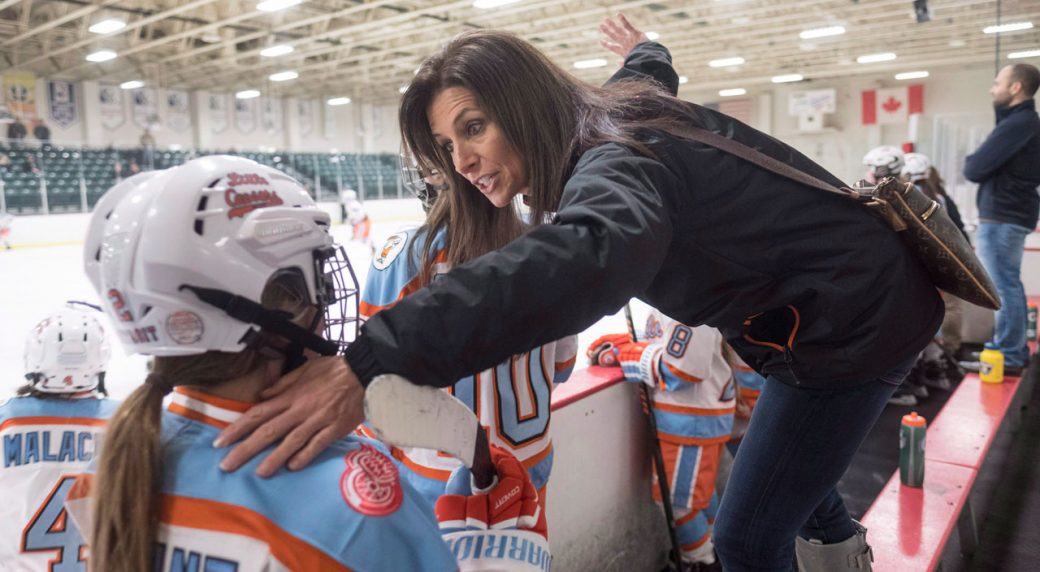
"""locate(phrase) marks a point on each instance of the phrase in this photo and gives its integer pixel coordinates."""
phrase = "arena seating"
(72, 179)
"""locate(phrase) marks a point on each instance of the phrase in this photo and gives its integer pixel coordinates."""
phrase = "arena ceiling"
(368, 49)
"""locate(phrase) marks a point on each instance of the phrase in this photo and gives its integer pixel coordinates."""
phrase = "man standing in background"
(1007, 168)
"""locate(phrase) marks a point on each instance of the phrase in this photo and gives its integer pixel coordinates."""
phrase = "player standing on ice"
(352, 212)
(6, 221)
(51, 432)
(221, 339)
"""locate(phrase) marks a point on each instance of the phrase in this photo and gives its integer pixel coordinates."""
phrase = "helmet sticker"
(245, 202)
(390, 250)
(371, 484)
(184, 327)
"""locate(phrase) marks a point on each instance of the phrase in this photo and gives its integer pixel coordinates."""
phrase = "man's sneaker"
(903, 396)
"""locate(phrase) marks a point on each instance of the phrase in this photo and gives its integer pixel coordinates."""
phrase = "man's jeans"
(798, 445)
(1000, 249)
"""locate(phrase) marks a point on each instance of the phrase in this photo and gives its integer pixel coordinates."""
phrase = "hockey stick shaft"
(655, 449)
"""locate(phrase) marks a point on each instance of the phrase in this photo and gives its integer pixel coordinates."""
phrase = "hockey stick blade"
(407, 415)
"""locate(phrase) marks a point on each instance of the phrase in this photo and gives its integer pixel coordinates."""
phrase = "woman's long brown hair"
(130, 470)
(549, 116)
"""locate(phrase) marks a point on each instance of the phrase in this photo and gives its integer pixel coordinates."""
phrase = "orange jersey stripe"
(196, 416)
(368, 310)
(221, 402)
(672, 408)
(677, 440)
(50, 420)
(565, 365)
(212, 515)
(682, 374)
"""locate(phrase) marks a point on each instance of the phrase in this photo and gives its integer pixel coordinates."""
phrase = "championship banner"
(272, 114)
(113, 112)
(218, 117)
(20, 94)
(305, 116)
(178, 116)
(895, 105)
(144, 105)
(245, 115)
(61, 101)
(330, 121)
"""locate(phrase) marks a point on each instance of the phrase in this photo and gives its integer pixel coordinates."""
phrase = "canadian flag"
(892, 105)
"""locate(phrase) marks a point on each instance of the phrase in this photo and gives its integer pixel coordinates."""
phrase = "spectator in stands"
(117, 168)
(30, 163)
(834, 313)
(134, 167)
(1007, 168)
(41, 131)
(16, 132)
(5, 165)
(148, 148)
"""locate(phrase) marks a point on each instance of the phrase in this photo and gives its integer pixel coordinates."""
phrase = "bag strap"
(768, 163)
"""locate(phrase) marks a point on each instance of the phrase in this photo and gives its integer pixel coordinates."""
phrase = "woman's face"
(478, 148)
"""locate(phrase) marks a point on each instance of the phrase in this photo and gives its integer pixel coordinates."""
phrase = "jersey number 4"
(52, 529)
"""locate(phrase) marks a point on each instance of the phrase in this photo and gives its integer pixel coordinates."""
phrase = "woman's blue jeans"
(797, 447)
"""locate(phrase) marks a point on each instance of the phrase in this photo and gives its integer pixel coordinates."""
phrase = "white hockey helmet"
(186, 255)
(67, 352)
(884, 161)
(916, 166)
(102, 210)
(350, 195)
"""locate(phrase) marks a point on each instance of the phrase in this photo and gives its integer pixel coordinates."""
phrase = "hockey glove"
(604, 350)
(502, 528)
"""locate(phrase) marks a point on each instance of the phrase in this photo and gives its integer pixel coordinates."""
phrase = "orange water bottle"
(911, 449)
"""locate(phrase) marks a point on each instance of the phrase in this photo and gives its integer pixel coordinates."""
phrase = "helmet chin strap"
(273, 321)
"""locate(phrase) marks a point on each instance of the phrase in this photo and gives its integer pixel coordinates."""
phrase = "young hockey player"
(221, 338)
(694, 396)
(6, 221)
(353, 212)
(883, 161)
(51, 432)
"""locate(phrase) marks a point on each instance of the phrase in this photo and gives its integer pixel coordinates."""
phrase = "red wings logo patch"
(371, 484)
(242, 203)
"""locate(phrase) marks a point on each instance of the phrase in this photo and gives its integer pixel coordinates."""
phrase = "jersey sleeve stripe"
(682, 374)
(202, 514)
(48, 420)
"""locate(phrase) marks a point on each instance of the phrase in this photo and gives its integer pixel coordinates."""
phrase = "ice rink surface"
(37, 279)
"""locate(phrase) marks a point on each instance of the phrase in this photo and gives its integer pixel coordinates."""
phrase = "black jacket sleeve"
(1007, 138)
(604, 246)
(649, 60)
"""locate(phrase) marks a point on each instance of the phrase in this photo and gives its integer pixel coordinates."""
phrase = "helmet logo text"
(242, 203)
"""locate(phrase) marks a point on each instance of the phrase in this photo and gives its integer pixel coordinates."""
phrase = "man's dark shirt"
(1007, 167)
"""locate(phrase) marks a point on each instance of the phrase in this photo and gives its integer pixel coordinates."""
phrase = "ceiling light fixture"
(875, 58)
(275, 51)
(247, 94)
(107, 26)
(588, 64)
(726, 62)
(911, 75)
(732, 92)
(821, 32)
(132, 84)
(1025, 54)
(653, 36)
(334, 101)
(1012, 27)
(787, 78)
(283, 76)
(683, 79)
(101, 56)
(276, 5)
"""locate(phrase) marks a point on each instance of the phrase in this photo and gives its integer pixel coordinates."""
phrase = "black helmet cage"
(337, 293)
(413, 177)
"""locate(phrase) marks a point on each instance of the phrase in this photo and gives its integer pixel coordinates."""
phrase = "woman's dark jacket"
(805, 285)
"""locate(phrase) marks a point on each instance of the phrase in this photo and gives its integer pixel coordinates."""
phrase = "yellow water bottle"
(991, 365)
